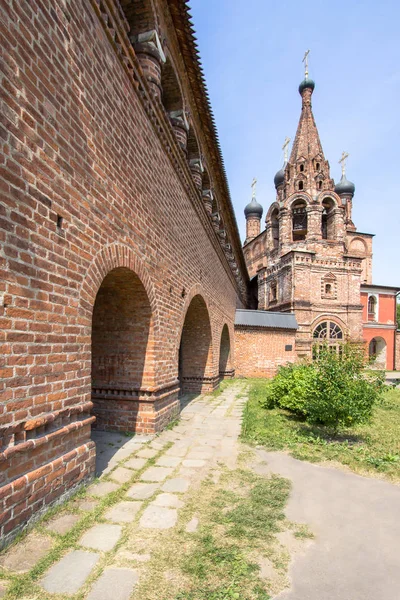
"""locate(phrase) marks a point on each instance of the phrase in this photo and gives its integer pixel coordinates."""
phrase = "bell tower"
(304, 259)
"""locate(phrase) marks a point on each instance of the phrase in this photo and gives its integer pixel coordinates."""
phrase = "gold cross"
(342, 161)
(253, 188)
(285, 149)
(305, 61)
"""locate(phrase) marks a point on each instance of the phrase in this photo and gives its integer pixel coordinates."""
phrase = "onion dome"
(345, 187)
(279, 177)
(306, 84)
(253, 209)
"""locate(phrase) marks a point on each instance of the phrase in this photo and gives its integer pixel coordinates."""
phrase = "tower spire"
(307, 144)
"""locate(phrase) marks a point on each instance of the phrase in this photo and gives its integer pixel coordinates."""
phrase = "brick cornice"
(116, 29)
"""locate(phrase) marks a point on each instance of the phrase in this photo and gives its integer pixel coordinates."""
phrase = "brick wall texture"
(100, 222)
(260, 352)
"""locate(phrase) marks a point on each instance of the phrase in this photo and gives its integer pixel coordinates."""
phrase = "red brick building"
(114, 204)
(310, 259)
(380, 324)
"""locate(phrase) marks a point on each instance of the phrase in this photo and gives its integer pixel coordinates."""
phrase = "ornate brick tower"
(310, 259)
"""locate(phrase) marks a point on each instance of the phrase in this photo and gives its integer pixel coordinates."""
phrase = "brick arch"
(195, 348)
(274, 206)
(226, 348)
(330, 195)
(296, 198)
(111, 257)
(357, 244)
(196, 290)
(334, 319)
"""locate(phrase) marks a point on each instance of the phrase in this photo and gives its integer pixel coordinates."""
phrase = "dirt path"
(356, 522)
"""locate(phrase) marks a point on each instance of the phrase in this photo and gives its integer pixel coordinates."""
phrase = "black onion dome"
(345, 187)
(253, 209)
(306, 84)
(279, 177)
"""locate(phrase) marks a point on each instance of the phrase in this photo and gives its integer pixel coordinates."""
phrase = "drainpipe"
(395, 332)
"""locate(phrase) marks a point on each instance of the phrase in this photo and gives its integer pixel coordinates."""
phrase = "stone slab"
(63, 524)
(142, 491)
(136, 463)
(87, 504)
(176, 485)
(114, 583)
(200, 454)
(22, 557)
(102, 489)
(167, 500)
(158, 445)
(123, 512)
(121, 475)
(101, 537)
(156, 473)
(168, 461)
(191, 527)
(158, 517)
(176, 451)
(147, 453)
(70, 573)
(193, 463)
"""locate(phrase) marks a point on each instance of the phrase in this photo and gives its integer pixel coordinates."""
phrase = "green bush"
(333, 389)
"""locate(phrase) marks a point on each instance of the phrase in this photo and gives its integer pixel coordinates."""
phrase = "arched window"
(328, 289)
(301, 168)
(299, 220)
(317, 166)
(372, 308)
(275, 228)
(301, 185)
(327, 224)
(273, 296)
(327, 332)
(320, 185)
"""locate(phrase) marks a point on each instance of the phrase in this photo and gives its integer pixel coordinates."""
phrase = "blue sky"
(252, 52)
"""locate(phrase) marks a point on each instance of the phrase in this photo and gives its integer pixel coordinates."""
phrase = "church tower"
(310, 259)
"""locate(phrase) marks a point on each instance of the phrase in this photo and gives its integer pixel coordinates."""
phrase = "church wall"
(259, 352)
(88, 185)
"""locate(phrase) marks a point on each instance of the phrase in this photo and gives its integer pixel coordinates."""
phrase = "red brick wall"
(397, 363)
(259, 352)
(91, 180)
(389, 336)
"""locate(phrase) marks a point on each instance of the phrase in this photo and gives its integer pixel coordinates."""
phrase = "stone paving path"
(142, 487)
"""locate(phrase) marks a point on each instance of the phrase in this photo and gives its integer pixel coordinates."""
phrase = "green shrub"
(290, 387)
(333, 389)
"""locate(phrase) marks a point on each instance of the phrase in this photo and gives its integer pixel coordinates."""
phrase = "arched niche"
(195, 350)
(122, 357)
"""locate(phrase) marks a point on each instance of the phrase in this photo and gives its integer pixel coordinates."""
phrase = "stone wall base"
(27, 498)
(139, 411)
(199, 385)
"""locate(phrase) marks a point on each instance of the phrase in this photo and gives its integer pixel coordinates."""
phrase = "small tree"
(343, 393)
(334, 389)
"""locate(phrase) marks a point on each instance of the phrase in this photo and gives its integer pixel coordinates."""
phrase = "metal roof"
(265, 318)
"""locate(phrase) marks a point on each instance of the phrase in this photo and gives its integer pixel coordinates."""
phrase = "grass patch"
(239, 514)
(372, 448)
